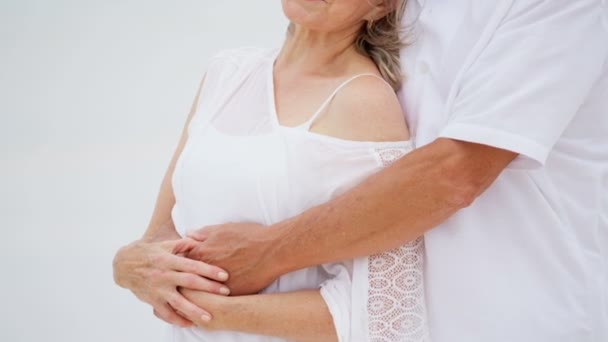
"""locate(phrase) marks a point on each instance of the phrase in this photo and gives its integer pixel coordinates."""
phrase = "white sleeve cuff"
(336, 293)
(531, 154)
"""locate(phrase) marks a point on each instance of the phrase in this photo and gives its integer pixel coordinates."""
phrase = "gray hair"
(381, 41)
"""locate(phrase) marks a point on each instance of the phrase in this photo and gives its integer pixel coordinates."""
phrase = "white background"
(93, 95)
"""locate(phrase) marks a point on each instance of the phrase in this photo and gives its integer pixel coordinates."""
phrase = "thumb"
(179, 245)
(184, 245)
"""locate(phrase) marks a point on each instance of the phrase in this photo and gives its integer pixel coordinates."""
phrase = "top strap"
(306, 125)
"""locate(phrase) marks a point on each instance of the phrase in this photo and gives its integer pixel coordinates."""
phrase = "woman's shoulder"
(367, 108)
(232, 65)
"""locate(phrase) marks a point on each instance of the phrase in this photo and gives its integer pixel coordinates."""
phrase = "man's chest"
(444, 39)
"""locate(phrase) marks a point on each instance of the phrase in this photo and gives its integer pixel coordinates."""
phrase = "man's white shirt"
(528, 260)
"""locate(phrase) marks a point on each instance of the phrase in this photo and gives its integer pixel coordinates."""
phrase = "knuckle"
(186, 292)
(154, 259)
(191, 281)
(197, 253)
(193, 254)
(155, 273)
(191, 266)
(163, 259)
(173, 299)
(158, 277)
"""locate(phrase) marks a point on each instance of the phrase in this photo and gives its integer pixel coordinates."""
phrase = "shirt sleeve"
(220, 69)
(379, 298)
(337, 292)
(531, 78)
(226, 70)
(382, 299)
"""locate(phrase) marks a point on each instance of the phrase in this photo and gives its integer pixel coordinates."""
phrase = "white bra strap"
(306, 125)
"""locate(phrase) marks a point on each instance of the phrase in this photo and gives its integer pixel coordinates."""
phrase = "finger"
(200, 268)
(166, 313)
(194, 282)
(180, 246)
(192, 312)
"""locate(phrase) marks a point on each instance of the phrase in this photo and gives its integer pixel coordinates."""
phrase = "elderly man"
(507, 101)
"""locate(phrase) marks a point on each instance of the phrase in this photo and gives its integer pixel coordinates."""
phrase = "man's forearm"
(397, 205)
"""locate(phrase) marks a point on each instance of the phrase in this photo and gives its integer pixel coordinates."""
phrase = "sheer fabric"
(241, 165)
(396, 306)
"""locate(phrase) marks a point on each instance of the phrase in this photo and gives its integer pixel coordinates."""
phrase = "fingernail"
(206, 318)
(225, 291)
(222, 276)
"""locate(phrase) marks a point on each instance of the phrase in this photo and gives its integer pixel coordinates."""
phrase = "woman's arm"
(161, 225)
(151, 267)
(394, 206)
(305, 315)
(299, 316)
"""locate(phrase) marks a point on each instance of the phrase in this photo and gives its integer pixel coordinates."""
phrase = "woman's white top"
(240, 165)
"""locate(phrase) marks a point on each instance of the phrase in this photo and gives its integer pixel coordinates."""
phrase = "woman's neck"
(317, 53)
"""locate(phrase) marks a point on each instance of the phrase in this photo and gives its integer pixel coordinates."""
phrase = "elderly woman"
(273, 133)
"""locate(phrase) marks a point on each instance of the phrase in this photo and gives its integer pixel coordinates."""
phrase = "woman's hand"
(154, 270)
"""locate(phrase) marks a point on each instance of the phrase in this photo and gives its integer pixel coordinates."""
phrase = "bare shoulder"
(366, 109)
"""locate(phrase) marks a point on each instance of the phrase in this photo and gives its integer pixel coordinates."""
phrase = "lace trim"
(389, 155)
(396, 305)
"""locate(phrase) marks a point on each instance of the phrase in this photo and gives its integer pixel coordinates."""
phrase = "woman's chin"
(304, 12)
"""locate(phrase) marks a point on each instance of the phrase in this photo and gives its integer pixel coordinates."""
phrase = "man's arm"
(394, 206)
(520, 94)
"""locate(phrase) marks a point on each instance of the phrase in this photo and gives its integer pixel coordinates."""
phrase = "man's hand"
(154, 270)
(243, 249)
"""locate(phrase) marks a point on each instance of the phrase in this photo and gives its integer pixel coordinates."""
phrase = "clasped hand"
(161, 272)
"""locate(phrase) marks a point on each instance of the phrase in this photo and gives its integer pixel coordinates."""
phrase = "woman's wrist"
(227, 313)
(299, 315)
(224, 310)
(164, 232)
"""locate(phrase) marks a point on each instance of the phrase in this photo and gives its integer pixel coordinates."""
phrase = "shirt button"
(423, 68)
